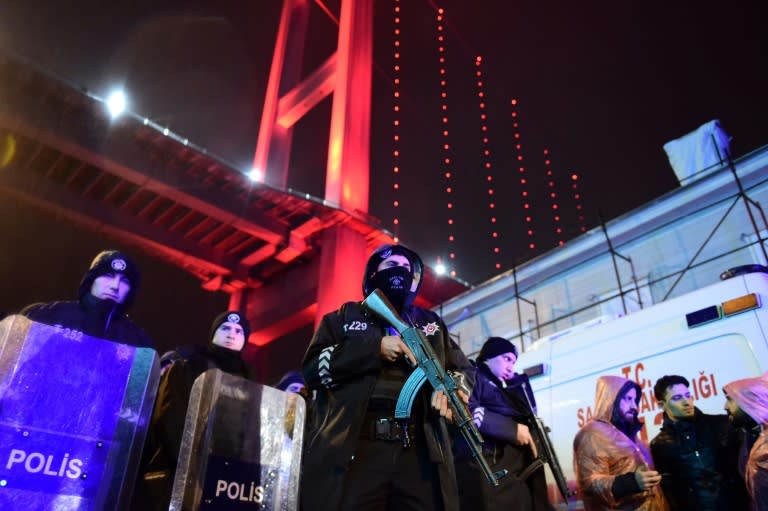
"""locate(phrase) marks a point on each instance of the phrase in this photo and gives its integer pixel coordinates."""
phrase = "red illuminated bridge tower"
(347, 75)
(284, 258)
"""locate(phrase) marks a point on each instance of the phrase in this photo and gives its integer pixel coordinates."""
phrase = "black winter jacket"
(163, 443)
(341, 366)
(698, 462)
(92, 316)
(497, 412)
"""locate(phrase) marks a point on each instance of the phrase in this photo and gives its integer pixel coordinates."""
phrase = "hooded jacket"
(384, 251)
(751, 394)
(341, 368)
(602, 453)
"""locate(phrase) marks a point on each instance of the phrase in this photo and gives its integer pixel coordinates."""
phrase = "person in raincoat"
(747, 407)
(613, 467)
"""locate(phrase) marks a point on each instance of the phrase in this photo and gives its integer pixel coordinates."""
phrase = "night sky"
(601, 85)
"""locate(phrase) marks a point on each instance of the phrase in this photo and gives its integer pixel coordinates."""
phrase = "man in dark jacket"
(106, 292)
(357, 456)
(227, 338)
(696, 453)
(500, 411)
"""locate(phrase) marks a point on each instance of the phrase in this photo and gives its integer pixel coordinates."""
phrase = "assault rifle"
(539, 432)
(429, 367)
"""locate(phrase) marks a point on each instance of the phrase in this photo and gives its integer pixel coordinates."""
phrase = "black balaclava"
(107, 262)
(394, 282)
(226, 359)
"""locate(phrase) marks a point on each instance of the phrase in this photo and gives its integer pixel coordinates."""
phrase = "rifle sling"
(530, 469)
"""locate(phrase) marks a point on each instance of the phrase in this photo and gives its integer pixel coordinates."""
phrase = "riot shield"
(241, 447)
(74, 412)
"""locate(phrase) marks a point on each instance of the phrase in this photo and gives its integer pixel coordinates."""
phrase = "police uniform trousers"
(384, 475)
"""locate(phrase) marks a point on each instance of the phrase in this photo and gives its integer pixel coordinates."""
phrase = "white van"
(711, 336)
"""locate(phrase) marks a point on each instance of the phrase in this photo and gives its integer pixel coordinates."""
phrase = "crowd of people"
(359, 456)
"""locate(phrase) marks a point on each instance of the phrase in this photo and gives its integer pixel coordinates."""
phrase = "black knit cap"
(494, 347)
(384, 251)
(231, 317)
(289, 378)
(108, 262)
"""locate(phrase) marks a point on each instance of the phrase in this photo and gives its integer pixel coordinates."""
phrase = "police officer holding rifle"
(502, 407)
(361, 452)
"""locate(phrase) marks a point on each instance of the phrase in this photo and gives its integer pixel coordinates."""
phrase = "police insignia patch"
(430, 328)
(119, 265)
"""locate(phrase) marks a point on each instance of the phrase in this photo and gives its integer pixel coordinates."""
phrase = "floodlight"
(116, 103)
(256, 175)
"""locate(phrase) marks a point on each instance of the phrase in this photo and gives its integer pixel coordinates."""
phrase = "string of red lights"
(446, 146)
(577, 199)
(522, 176)
(486, 160)
(553, 198)
(396, 121)
(486, 157)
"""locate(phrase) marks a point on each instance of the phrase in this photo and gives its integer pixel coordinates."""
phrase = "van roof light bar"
(703, 316)
(741, 304)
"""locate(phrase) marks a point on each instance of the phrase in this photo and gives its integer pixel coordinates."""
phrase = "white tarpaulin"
(698, 153)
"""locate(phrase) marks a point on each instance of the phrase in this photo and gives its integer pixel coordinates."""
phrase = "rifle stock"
(427, 361)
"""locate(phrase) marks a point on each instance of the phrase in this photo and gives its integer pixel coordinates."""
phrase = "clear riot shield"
(241, 447)
(74, 412)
